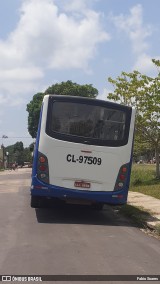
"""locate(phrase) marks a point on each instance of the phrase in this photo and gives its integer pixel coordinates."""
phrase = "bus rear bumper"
(50, 191)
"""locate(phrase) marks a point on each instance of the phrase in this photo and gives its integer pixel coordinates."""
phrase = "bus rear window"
(78, 122)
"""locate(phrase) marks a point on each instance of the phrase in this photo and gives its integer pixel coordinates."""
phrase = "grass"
(143, 180)
(158, 230)
(140, 217)
(137, 214)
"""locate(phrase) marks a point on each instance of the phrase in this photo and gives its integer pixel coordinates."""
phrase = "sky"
(43, 42)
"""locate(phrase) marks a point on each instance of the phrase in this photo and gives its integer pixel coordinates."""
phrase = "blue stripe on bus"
(111, 197)
(35, 158)
(130, 165)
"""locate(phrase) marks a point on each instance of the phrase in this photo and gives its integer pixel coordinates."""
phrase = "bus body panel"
(66, 167)
(63, 172)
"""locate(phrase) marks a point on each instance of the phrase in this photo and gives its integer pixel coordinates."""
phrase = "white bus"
(83, 151)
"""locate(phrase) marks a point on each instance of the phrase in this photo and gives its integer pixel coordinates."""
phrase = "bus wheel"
(36, 202)
(98, 206)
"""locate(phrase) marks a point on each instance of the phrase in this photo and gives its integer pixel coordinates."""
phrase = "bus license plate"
(82, 184)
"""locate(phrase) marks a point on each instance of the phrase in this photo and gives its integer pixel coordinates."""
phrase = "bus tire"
(36, 202)
(98, 206)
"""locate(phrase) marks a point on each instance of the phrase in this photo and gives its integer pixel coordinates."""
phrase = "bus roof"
(83, 99)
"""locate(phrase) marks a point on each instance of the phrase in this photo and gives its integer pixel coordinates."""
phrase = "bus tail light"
(121, 178)
(42, 168)
(119, 196)
(42, 159)
(124, 169)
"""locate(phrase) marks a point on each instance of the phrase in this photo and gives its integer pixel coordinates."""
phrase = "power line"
(18, 137)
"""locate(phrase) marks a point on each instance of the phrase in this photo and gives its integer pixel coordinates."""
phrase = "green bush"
(143, 175)
(158, 229)
(143, 180)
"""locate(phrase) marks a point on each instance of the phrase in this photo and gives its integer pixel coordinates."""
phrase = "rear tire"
(36, 202)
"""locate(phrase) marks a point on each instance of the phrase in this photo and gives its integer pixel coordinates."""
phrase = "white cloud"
(1, 115)
(58, 40)
(75, 6)
(14, 92)
(134, 27)
(104, 94)
(49, 39)
(22, 73)
(46, 38)
(144, 64)
(3, 99)
(138, 33)
(10, 100)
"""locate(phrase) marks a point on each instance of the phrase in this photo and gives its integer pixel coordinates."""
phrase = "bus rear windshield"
(87, 123)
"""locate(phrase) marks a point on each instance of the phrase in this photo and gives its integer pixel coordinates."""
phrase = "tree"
(65, 88)
(27, 157)
(33, 109)
(18, 152)
(72, 89)
(143, 93)
(18, 147)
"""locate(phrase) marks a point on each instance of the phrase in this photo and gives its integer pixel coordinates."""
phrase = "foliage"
(72, 89)
(158, 229)
(19, 154)
(143, 93)
(27, 157)
(144, 173)
(137, 214)
(141, 217)
(18, 147)
(143, 180)
(143, 149)
(33, 109)
(63, 88)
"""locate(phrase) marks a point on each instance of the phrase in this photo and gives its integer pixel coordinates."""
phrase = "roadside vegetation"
(137, 214)
(140, 217)
(141, 92)
(158, 230)
(143, 179)
(15, 153)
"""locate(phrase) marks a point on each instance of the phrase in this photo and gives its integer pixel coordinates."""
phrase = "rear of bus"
(83, 151)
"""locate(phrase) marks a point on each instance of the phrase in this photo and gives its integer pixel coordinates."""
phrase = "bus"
(83, 152)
